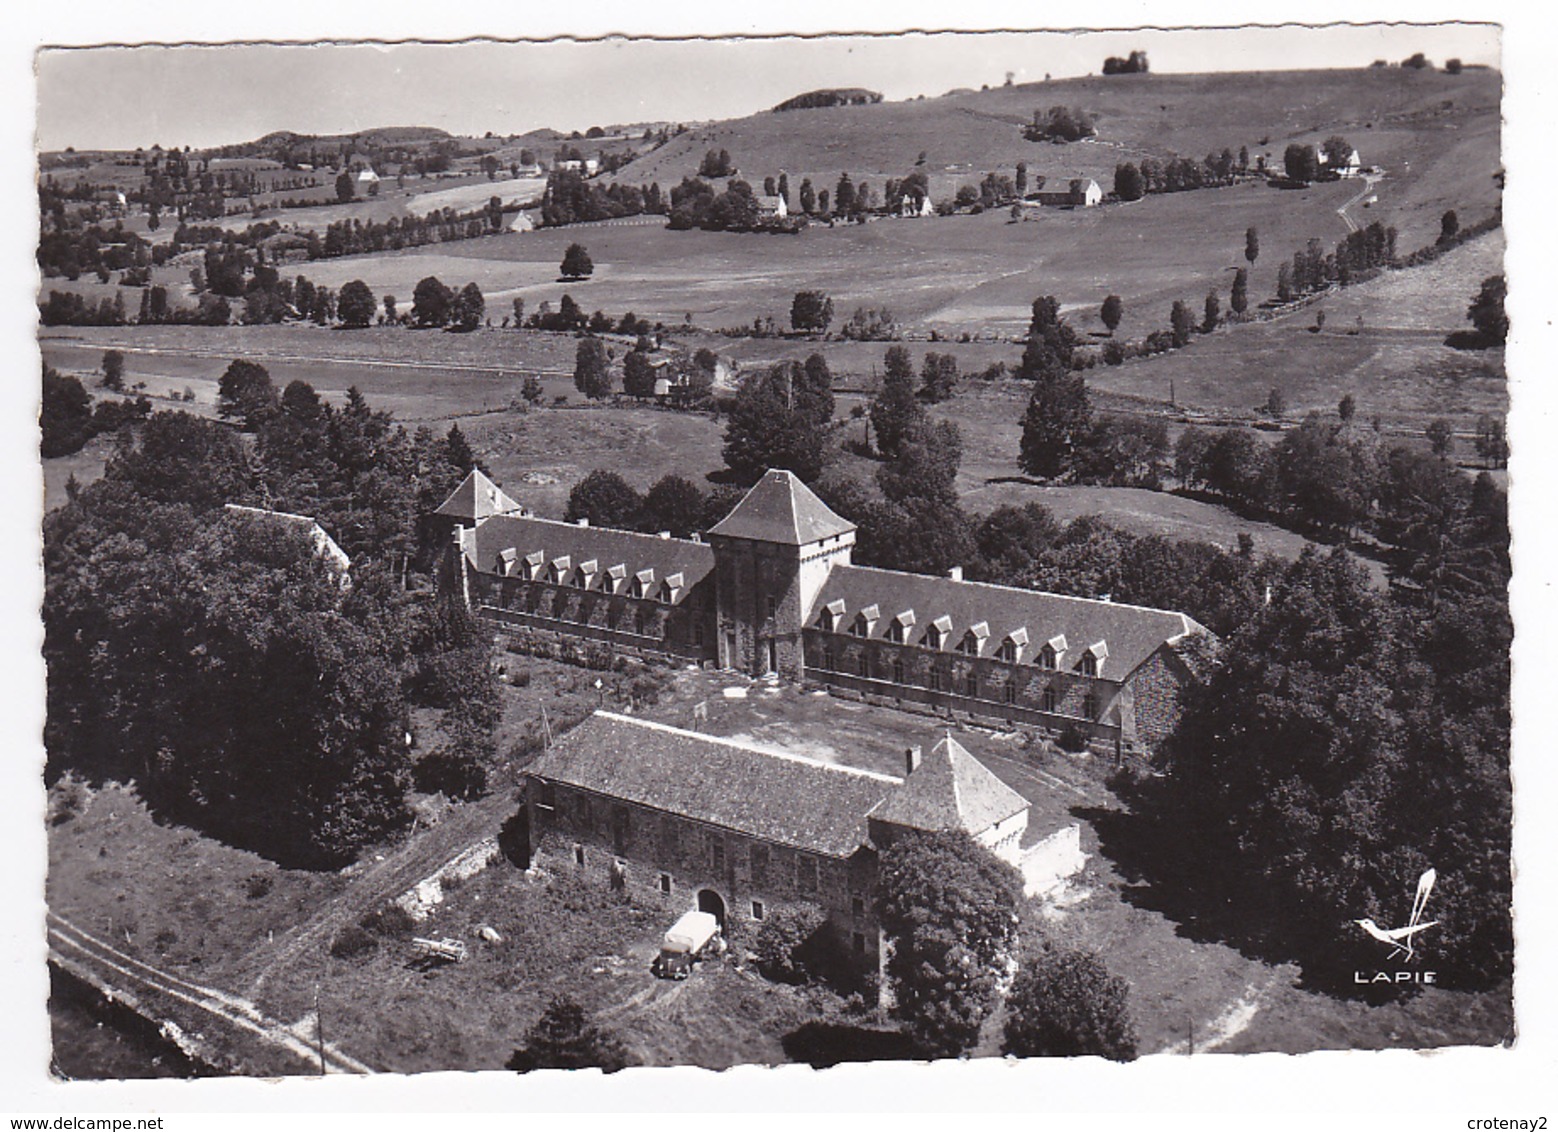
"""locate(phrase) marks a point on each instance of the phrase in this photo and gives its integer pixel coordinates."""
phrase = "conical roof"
(950, 789)
(477, 498)
(781, 509)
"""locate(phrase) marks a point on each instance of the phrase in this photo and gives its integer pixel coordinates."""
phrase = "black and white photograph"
(630, 553)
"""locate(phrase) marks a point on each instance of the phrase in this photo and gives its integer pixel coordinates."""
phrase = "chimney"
(956, 573)
(911, 760)
(665, 534)
(584, 522)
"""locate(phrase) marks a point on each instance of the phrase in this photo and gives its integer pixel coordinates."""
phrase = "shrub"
(353, 941)
(389, 922)
(257, 885)
(789, 944)
(1114, 353)
(1071, 739)
(451, 774)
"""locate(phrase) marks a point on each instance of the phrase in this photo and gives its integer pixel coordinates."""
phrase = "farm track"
(420, 857)
(76, 948)
(323, 360)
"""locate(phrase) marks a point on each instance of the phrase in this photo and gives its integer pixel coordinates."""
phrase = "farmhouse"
(913, 205)
(1082, 192)
(688, 820)
(771, 591)
(771, 207)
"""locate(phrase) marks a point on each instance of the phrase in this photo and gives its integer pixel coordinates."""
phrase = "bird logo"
(1400, 939)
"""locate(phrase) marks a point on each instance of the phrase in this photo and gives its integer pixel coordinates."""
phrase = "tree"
(469, 308)
(1491, 443)
(245, 392)
(576, 263)
(638, 376)
(1338, 151)
(925, 465)
(811, 311)
(808, 196)
(1449, 225)
(949, 906)
(66, 417)
(1441, 437)
(938, 377)
(113, 370)
(1301, 163)
(344, 189)
(784, 188)
(389, 308)
(1111, 313)
(606, 500)
(1212, 312)
(1284, 283)
(780, 420)
(432, 303)
(1251, 245)
(356, 305)
(1128, 184)
(531, 389)
(565, 1038)
(674, 504)
(1452, 66)
(1051, 341)
(591, 372)
(1020, 183)
(1347, 408)
(844, 196)
(792, 945)
(895, 409)
(1487, 311)
(1056, 420)
(1182, 323)
(1239, 297)
(1065, 1003)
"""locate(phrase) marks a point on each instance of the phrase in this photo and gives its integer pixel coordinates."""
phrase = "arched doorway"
(711, 902)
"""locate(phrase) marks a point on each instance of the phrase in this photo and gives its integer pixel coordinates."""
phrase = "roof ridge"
(747, 747)
(1030, 593)
(592, 527)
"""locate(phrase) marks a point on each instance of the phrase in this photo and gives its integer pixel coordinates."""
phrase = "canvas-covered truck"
(691, 938)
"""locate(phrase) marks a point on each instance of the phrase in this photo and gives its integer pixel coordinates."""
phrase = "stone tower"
(772, 553)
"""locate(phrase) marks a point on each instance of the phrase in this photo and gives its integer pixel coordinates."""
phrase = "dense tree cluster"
(218, 661)
(1065, 1003)
(1133, 64)
(570, 199)
(833, 96)
(1060, 124)
(68, 418)
(1173, 174)
(782, 418)
(696, 204)
(671, 504)
(564, 1037)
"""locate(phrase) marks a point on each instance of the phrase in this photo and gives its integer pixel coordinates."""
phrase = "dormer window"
(973, 642)
(557, 573)
(507, 560)
(671, 588)
(865, 622)
(937, 633)
(643, 583)
(1013, 645)
(616, 579)
(1093, 659)
(532, 566)
(1047, 656)
(584, 577)
(832, 614)
(898, 630)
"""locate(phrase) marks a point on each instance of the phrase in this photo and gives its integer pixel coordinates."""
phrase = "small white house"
(522, 222)
(772, 207)
(911, 205)
(368, 177)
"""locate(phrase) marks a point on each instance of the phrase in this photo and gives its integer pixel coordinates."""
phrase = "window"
(758, 911)
(860, 943)
(1007, 652)
(772, 605)
(898, 670)
(827, 657)
(972, 691)
(717, 852)
(1090, 706)
(665, 883)
(860, 627)
(1047, 701)
(697, 633)
(935, 679)
(1089, 664)
(547, 799)
(933, 638)
(638, 622)
(578, 854)
(619, 829)
(1047, 657)
(1009, 692)
(806, 874)
(863, 665)
(759, 863)
(857, 905)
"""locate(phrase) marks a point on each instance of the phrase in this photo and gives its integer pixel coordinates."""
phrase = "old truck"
(694, 936)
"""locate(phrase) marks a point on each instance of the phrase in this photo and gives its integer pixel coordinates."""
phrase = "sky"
(212, 95)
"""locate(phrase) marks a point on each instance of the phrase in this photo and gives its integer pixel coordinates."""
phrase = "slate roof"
(781, 509)
(1131, 632)
(477, 498)
(527, 534)
(785, 799)
(950, 789)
